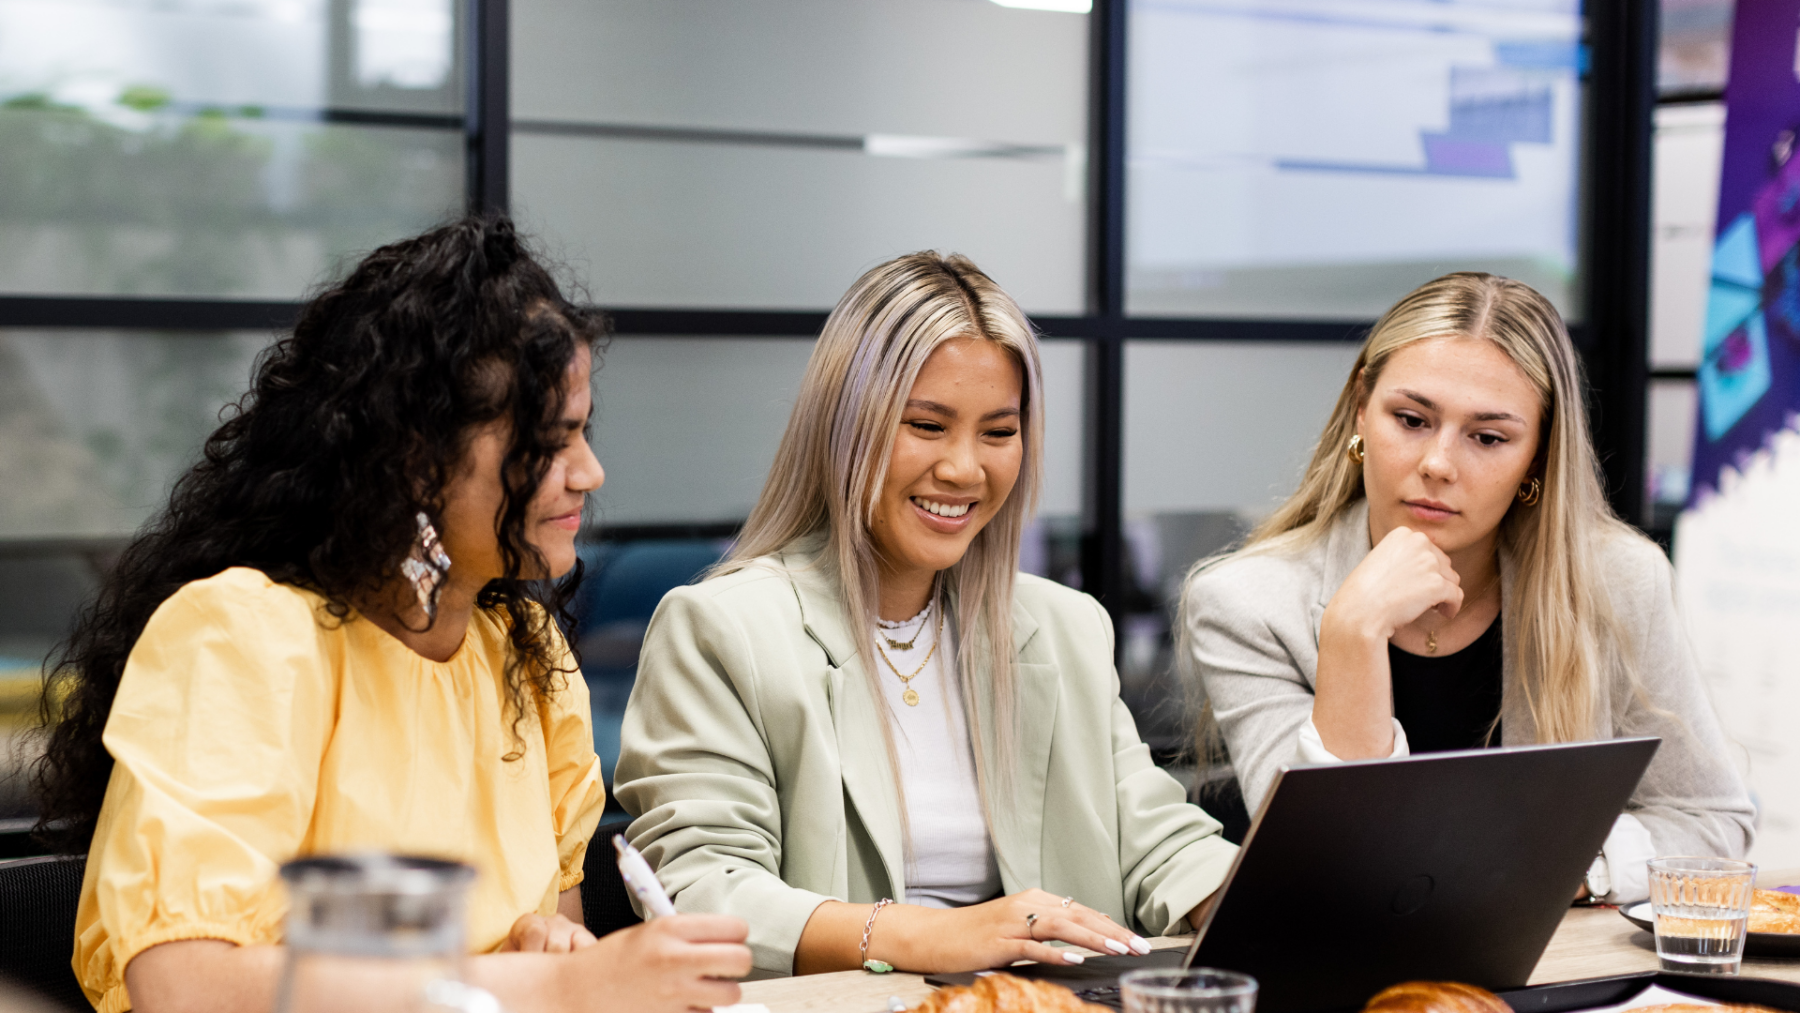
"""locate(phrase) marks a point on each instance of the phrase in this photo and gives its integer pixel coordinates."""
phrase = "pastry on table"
(1003, 993)
(1775, 900)
(1455, 997)
(1774, 921)
(1435, 997)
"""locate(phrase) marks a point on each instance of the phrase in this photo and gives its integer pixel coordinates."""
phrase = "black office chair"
(605, 902)
(1218, 792)
(38, 897)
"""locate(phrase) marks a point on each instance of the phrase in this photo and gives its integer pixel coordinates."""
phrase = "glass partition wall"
(1202, 204)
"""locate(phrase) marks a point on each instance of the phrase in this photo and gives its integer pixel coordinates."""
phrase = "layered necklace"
(911, 696)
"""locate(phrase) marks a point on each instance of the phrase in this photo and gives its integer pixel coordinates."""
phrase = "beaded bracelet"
(877, 966)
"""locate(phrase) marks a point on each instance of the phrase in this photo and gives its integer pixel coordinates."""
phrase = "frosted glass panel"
(1065, 411)
(649, 223)
(1673, 408)
(177, 205)
(96, 426)
(278, 55)
(687, 427)
(1224, 426)
(936, 68)
(1689, 152)
(1317, 159)
(1696, 46)
(762, 153)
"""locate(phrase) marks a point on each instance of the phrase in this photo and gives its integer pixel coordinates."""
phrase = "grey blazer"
(1253, 626)
(752, 758)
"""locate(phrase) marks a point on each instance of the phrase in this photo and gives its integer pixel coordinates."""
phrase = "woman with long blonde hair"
(1450, 576)
(865, 732)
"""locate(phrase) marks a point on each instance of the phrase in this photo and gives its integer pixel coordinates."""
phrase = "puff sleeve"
(218, 729)
(577, 791)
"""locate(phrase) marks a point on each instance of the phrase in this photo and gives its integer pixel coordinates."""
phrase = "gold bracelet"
(878, 966)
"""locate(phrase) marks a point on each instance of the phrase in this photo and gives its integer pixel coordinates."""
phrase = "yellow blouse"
(252, 727)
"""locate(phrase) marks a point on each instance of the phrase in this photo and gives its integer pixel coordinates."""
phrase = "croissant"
(1003, 993)
(1775, 900)
(1435, 997)
(1774, 921)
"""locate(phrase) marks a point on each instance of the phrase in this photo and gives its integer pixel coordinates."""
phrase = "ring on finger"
(1031, 926)
(1068, 900)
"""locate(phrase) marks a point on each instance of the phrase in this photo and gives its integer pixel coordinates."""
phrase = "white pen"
(637, 875)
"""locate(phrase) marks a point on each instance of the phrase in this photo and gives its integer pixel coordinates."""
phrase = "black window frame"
(1621, 37)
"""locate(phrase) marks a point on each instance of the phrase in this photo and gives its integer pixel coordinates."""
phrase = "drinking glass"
(377, 932)
(1702, 906)
(1195, 990)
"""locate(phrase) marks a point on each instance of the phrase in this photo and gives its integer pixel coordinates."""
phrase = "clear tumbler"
(377, 932)
(1195, 990)
(1702, 906)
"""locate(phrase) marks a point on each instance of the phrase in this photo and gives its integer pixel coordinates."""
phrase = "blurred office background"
(1202, 203)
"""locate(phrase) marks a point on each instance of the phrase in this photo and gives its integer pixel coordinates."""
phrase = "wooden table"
(1593, 942)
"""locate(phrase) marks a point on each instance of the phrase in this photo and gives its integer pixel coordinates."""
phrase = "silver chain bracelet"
(869, 927)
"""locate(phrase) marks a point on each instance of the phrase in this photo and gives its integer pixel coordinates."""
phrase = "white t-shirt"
(953, 860)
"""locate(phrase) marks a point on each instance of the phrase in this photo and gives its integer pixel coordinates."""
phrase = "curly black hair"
(352, 427)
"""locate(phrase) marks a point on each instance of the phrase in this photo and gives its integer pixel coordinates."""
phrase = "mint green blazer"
(753, 763)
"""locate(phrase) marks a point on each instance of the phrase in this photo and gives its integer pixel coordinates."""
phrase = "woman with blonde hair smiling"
(865, 732)
(1450, 576)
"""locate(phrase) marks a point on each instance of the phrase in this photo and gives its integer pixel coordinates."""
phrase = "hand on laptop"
(1003, 930)
(934, 940)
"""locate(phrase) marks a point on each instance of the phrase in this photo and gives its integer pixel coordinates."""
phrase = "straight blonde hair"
(1562, 631)
(833, 461)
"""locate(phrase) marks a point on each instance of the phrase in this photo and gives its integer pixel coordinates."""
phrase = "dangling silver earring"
(426, 567)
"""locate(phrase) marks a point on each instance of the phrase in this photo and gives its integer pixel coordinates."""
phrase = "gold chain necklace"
(907, 645)
(911, 696)
(1431, 635)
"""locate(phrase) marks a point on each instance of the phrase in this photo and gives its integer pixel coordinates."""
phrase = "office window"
(1217, 434)
(1317, 159)
(1674, 405)
(190, 148)
(763, 153)
(1695, 56)
(95, 426)
(686, 428)
(1689, 151)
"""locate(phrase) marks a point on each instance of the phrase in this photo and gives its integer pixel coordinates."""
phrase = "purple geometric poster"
(1737, 545)
(1749, 375)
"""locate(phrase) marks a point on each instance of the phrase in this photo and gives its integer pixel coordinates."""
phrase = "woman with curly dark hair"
(340, 635)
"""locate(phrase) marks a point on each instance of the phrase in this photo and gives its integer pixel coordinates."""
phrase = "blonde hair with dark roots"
(1562, 630)
(833, 461)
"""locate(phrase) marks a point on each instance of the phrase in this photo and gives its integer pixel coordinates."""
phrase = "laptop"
(1453, 866)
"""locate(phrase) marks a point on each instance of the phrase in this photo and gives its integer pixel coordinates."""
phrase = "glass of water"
(1701, 905)
(1195, 990)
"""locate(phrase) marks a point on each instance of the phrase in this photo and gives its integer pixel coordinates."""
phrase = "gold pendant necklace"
(907, 645)
(1431, 635)
(911, 696)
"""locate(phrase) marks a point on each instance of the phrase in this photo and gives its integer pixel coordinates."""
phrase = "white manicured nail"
(1140, 944)
(1117, 947)
(1073, 958)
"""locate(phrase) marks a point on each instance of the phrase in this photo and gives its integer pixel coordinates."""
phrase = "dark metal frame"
(1621, 99)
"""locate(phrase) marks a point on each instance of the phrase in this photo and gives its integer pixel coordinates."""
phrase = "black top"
(1449, 701)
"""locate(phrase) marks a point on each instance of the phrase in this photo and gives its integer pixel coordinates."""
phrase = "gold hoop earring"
(1355, 450)
(1530, 492)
